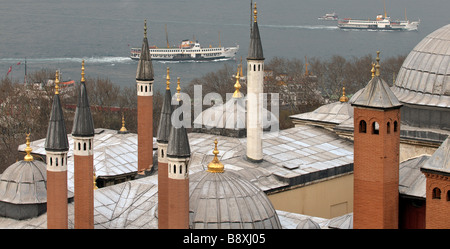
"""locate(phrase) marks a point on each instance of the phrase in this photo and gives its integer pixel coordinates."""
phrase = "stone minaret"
(376, 155)
(56, 148)
(83, 148)
(178, 155)
(165, 125)
(255, 83)
(144, 80)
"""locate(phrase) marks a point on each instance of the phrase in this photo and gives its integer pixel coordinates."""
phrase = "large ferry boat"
(381, 23)
(188, 50)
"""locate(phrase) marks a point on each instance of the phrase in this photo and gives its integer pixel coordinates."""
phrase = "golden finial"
(373, 70)
(237, 86)
(178, 89)
(95, 181)
(145, 28)
(215, 166)
(82, 71)
(343, 98)
(28, 157)
(255, 13)
(168, 79)
(377, 66)
(123, 129)
(57, 82)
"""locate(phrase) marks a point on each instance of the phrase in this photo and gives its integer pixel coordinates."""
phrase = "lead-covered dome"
(228, 201)
(23, 190)
(424, 81)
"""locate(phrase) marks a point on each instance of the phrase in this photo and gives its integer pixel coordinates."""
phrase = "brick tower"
(144, 80)
(178, 155)
(437, 173)
(165, 125)
(376, 155)
(83, 147)
(255, 84)
(56, 148)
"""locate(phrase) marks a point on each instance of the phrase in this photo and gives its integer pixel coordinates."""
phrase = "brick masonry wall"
(84, 192)
(57, 209)
(376, 169)
(437, 210)
(145, 132)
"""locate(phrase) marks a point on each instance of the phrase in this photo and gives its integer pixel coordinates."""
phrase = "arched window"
(51, 162)
(395, 126)
(90, 145)
(181, 169)
(388, 127)
(162, 153)
(174, 169)
(362, 126)
(259, 67)
(375, 128)
(448, 195)
(254, 67)
(145, 88)
(84, 146)
(62, 161)
(142, 89)
(56, 161)
(79, 146)
(436, 193)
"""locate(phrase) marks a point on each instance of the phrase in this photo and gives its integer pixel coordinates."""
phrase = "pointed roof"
(145, 68)
(178, 144)
(83, 124)
(255, 51)
(165, 123)
(377, 93)
(56, 139)
(439, 162)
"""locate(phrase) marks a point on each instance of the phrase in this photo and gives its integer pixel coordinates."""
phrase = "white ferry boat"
(381, 23)
(188, 50)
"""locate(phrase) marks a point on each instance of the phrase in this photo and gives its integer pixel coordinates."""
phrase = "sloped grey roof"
(145, 68)
(255, 51)
(83, 124)
(165, 123)
(342, 222)
(56, 132)
(424, 78)
(225, 200)
(308, 224)
(412, 182)
(376, 94)
(335, 113)
(440, 160)
(24, 182)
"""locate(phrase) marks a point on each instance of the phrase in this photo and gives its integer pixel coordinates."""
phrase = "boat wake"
(310, 27)
(93, 60)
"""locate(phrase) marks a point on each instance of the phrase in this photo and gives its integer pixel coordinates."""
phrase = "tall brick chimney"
(165, 125)
(56, 148)
(83, 152)
(178, 156)
(144, 80)
(376, 155)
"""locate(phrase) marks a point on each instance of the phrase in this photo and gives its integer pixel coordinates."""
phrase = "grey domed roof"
(24, 182)
(424, 78)
(226, 200)
(230, 116)
(335, 112)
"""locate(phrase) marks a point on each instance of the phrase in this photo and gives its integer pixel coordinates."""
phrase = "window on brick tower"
(388, 127)
(395, 126)
(375, 128)
(448, 195)
(362, 126)
(436, 193)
